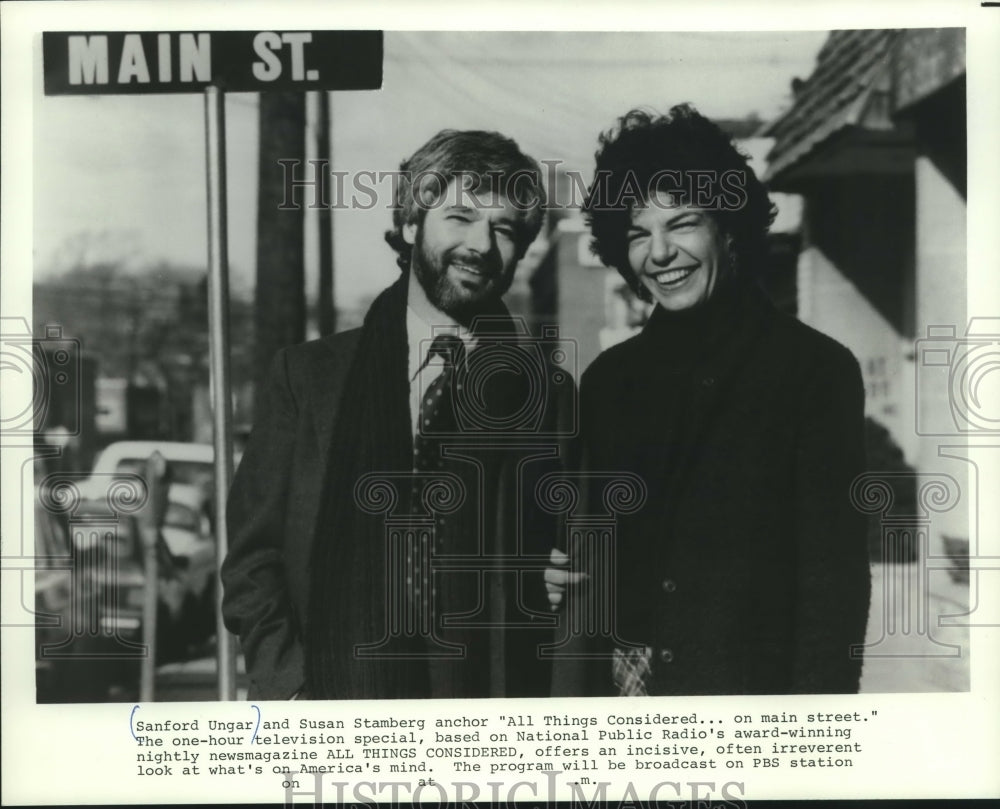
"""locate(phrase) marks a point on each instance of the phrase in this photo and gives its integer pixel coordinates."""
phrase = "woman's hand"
(558, 578)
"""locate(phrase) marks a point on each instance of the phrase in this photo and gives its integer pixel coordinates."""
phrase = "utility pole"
(324, 152)
(280, 302)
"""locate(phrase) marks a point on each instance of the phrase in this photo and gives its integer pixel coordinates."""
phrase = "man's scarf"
(372, 434)
(348, 599)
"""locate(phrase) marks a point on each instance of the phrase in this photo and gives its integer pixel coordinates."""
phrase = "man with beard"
(385, 541)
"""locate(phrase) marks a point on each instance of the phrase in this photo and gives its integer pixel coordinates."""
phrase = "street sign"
(212, 63)
(120, 62)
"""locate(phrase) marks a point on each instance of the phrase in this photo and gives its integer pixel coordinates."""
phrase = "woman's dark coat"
(747, 569)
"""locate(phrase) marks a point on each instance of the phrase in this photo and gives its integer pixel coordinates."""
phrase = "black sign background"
(343, 60)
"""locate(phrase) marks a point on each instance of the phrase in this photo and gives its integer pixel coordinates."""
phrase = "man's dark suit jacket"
(273, 509)
(747, 569)
(274, 506)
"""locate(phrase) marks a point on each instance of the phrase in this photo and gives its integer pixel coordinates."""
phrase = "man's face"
(466, 250)
(677, 252)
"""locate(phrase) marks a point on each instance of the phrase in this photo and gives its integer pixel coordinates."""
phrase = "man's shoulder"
(315, 363)
(311, 352)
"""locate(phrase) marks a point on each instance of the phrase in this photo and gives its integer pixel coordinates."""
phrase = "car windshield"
(196, 473)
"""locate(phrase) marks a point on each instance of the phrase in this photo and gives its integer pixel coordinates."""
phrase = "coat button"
(666, 656)
(669, 585)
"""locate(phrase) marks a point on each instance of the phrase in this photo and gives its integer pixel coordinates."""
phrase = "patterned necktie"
(437, 412)
(435, 424)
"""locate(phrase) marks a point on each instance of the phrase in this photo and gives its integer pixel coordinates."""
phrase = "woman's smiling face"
(677, 251)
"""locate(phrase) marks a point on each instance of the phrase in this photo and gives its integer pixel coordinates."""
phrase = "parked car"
(53, 608)
(108, 570)
(187, 523)
(189, 463)
(185, 585)
(189, 536)
(87, 618)
(186, 552)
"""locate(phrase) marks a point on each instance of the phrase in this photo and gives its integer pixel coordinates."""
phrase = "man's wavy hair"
(484, 160)
(635, 154)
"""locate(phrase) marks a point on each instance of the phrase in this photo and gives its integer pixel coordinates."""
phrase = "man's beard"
(450, 297)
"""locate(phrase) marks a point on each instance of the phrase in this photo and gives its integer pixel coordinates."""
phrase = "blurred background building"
(875, 144)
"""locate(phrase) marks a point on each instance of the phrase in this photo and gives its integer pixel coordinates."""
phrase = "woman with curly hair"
(746, 571)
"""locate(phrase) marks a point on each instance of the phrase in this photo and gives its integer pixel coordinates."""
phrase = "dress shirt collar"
(424, 322)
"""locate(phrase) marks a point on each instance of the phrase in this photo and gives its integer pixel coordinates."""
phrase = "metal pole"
(218, 331)
(327, 307)
(149, 523)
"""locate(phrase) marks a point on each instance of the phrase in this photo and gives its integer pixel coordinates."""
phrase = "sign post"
(150, 523)
(213, 62)
(218, 340)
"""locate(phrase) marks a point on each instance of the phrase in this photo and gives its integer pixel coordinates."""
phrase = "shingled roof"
(849, 88)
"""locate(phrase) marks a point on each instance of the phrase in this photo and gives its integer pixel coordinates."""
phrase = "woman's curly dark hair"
(642, 152)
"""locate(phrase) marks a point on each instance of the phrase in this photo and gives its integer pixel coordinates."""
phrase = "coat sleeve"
(833, 585)
(256, 605)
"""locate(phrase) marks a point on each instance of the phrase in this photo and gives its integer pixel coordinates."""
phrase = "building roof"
(850, 87)
(850, 115)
